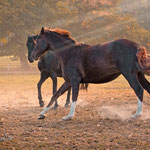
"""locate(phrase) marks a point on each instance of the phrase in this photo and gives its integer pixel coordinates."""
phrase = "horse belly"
(101, 76)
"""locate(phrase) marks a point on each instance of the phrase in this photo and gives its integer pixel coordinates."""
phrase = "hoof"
(67, 118)
(41, 104)
(41, 117)
(135, 116)
(66, 105)
(55, 107)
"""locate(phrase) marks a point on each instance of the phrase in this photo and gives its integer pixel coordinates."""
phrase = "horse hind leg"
(144, 82)
(139, 109)
(138, 89)
(146, 85)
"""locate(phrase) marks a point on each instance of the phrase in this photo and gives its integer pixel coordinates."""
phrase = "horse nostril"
(30, 60)
(34, 57)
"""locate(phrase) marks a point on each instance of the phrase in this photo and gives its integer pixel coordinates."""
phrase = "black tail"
(143, 81)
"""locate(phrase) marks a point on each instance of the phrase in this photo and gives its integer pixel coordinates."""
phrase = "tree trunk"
(23, 61)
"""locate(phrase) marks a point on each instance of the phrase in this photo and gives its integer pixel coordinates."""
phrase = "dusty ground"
(101, 120)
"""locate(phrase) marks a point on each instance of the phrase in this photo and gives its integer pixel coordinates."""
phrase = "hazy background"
(89, 21)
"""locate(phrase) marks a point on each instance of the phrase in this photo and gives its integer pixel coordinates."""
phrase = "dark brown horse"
(49, 66)
(81, 63)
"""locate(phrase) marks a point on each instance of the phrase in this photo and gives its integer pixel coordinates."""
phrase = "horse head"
(51, 39)
(30, 45)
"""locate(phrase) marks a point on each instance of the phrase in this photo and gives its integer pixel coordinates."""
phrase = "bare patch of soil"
(102, 118)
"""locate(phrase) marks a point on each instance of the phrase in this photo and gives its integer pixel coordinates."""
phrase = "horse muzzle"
(34, 57)
(30, 60)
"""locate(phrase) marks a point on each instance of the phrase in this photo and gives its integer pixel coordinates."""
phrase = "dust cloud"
(122, 112)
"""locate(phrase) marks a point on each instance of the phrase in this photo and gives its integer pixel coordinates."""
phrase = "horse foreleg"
(61, 90)
(41, 81)
(68, 98)
(75, 91)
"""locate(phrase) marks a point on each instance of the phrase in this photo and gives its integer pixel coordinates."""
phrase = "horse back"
(101, 63)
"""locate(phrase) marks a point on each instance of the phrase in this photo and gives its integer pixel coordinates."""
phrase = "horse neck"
(63, 43)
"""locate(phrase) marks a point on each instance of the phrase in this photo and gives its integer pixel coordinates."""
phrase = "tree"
(90, 21)
(18, 19)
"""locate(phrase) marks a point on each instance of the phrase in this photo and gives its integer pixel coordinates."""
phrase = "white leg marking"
(71, 113)
(45, 110)
(139, 109)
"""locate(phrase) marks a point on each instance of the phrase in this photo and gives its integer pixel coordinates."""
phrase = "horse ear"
(42, 30)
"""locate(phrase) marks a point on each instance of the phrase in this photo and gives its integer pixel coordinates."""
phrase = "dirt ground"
(102, 119)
